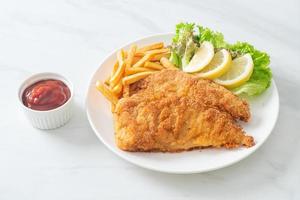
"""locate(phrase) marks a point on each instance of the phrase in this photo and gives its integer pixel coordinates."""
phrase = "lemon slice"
(239, 72)
(219, 65)
(201, 59)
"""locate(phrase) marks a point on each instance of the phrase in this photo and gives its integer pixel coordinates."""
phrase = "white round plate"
(264, 110)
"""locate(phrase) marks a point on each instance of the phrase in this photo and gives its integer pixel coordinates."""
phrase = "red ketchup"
(46, 95)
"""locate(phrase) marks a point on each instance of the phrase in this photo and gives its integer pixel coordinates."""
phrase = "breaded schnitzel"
(173, 111)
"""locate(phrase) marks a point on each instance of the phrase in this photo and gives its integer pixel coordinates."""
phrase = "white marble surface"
(71, 37)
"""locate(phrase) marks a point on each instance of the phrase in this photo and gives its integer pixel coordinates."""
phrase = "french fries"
(113, 72)
(141, 62)
(139, 54)
(131, 66)
(159, 56)
(126, 91)
(151, 47)
(153, 65)
(117, 89)
(167, 64)
(135, 59)
(130, 56)
(113, 107)
(117, 76)
(106, 92)
(137, 70)
(107, 80)
(156, 57)
(148, 55)
(116, 65)
(157, 51)
(135, 77)
(153, 52)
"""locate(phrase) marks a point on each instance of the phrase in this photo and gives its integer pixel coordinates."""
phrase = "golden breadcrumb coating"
(172, 111)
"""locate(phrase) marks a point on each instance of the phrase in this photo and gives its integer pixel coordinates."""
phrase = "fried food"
(117, 76)
(130, 67)
(171, 111)
(157, 107)
(167, 64)
(117, 89)
(135, 77)
(159, 56)
(158, 45)
(170, 82)
(141, 62)
(106, 92)
(153, 65)
(137, 70)
(130, 56)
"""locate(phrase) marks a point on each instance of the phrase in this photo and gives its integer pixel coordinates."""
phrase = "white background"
(71, 37)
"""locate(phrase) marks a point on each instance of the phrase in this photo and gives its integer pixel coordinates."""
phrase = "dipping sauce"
(46, 95)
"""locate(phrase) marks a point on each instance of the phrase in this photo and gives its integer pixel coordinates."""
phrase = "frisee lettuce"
(183, 45)
(190, 49)
(175, 59)
(183, 31)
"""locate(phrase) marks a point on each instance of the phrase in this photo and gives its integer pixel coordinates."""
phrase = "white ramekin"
(48, 119)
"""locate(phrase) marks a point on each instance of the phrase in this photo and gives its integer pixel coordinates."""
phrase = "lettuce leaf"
(174, 58)
(216, 38)
(185, 43)
(184, 32)
(261, 77)
(190, 50)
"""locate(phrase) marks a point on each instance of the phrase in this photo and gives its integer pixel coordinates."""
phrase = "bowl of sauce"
(46, 99)
(46, 94)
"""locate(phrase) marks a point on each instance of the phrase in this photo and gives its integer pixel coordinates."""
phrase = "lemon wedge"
(219, 65)
(201, 58)
(239, 72)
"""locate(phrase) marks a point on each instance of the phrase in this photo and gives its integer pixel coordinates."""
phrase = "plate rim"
(257, 146)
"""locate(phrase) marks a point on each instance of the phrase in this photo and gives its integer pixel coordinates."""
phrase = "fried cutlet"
(172, 111)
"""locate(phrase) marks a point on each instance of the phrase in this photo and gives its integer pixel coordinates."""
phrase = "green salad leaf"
(216, 38)
(190, 49)
(183, 31)
(175, 59)
(261, 77)
(185, 43)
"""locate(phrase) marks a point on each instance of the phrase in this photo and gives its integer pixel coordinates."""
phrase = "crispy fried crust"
(172, 82)
(171, 111)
